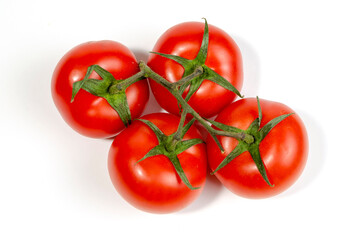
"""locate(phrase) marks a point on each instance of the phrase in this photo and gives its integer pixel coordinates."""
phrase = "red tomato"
(223, 57)
(284, 150)
(90, 115)
(153, 185)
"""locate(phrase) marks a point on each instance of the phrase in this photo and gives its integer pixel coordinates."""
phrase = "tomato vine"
(195, 72)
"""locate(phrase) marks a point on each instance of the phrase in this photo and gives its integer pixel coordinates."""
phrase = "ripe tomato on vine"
(94, 115)
(273, 162)
(186, 46)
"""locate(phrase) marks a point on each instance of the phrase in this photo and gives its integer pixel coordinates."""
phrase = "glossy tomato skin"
(153, 185)
(90, 115)
(284, 150)
(224, 57)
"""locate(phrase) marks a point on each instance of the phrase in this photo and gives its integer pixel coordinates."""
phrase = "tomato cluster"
(159, 162)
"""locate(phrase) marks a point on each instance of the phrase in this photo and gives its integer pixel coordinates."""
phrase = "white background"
(54, 183)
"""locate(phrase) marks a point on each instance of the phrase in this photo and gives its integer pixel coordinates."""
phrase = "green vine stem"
(177, 135)
(197, 72)
(126, 83)
(174, 90)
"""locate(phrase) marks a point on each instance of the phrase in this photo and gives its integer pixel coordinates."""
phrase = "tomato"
(153, 185)
(90, 115)
(223, 57)
(283, 151)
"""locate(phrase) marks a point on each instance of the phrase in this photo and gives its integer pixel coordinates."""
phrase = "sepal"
(186, 63)
(100, 88)
(218, 79)
(270, 125)
(159, 134)
(186, 128)
(186, 144)
(255, 154)
(225, 127)
(253, 148)
(157, 150)
(180, 171)
(171, 148)
(239, 149)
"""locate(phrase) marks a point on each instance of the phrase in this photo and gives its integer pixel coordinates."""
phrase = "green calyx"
(253, 148)
(112, 90)
(190, 67)
(171, 146)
